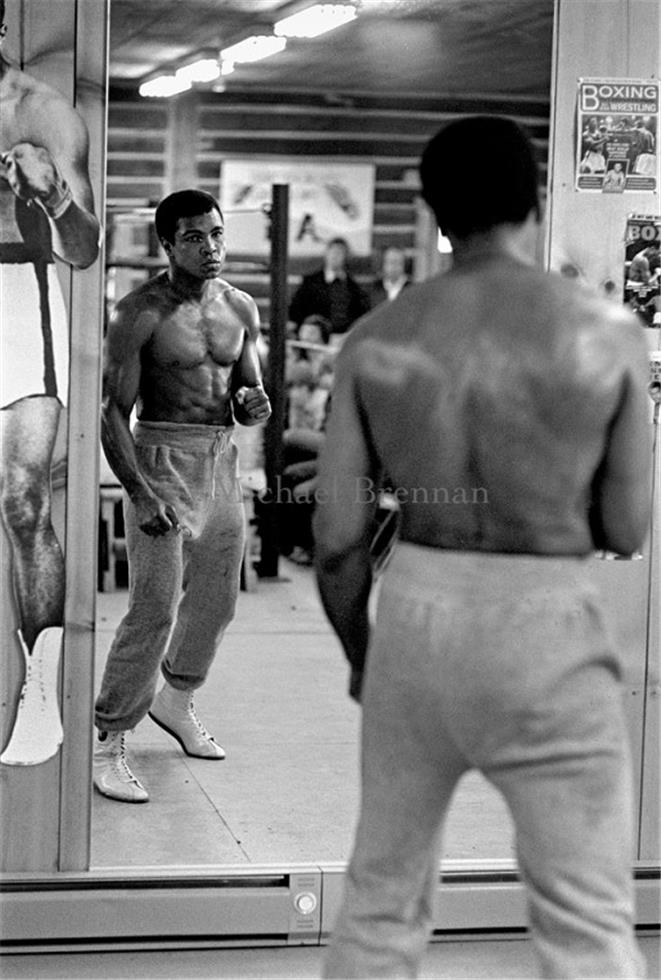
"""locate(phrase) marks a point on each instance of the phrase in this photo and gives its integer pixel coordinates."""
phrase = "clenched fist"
(30, 171)
(32, 175)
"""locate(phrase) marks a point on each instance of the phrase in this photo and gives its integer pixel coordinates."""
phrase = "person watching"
(331, 292)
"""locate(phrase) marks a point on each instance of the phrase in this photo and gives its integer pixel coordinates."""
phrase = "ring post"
(268, 564)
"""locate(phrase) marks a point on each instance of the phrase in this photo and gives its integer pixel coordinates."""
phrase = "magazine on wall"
(642, 267)
(617, 135)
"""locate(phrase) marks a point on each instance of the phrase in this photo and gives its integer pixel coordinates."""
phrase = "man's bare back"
(510, 409)
(500, 383)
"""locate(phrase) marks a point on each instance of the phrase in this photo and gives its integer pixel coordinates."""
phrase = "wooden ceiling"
(427, 49)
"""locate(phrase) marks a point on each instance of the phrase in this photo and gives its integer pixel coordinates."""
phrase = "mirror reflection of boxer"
(46, 209)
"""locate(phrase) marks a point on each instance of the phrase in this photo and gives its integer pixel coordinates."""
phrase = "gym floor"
(454, 960)
(288, 790)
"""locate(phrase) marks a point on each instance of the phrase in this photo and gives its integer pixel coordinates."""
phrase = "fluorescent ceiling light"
(315, 20)
(253, 48)
(226, 67)
(163, 86)
(443, 244)
(204, 70)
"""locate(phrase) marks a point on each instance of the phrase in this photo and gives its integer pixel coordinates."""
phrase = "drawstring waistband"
(191, 437)
(180, 435)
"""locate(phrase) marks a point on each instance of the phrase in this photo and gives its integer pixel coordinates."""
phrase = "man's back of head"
(479, 172)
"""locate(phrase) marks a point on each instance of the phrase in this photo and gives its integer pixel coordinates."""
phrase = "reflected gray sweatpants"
(183, 586)
(498, 663)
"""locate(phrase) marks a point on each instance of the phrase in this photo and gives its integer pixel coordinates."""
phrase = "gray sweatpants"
(183, 586)
(498, 663)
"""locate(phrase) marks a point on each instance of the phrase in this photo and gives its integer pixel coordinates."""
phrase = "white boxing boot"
(112, 775)
(175, 712)
(37, 733)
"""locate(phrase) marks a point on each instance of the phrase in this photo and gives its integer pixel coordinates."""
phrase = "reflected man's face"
(199, 245)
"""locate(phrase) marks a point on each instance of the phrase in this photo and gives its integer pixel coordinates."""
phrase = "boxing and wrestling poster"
(642, 267)
(617, 135)
(326, 200)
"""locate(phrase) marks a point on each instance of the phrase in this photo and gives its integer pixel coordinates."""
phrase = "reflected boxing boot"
(175, 712)
(37, 732)
(112, 775)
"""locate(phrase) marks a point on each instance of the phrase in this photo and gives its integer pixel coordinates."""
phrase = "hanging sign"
(326, 200)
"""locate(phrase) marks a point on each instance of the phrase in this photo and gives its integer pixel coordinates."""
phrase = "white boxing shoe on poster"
(37, 733)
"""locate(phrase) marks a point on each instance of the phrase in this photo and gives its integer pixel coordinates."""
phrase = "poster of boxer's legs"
(49, 216)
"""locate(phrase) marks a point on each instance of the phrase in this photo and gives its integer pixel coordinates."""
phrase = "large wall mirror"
(366, 97)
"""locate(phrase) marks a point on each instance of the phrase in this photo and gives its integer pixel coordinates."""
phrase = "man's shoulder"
(624, 328)
(241, 302)
(153, 288)
(226, 290)
(37, 97)
(153, 295)
(379, 327)
(606, 330)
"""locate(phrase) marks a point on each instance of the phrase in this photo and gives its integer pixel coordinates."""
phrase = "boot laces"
(120, 762)
(203, 733)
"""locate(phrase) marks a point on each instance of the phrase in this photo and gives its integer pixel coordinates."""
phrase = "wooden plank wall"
(155, 146)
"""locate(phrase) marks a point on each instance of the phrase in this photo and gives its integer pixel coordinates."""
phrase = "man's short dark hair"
(181, 204)
(338, 241)
(479, 172)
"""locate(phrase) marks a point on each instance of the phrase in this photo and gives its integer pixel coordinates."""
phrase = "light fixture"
(308, 23)
(253, 48)
(163, 86)
(315, 20)
(199, 72)
(203, 70)
(443, 244)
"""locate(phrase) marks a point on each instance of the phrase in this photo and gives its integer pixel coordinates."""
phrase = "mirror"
(276, 695)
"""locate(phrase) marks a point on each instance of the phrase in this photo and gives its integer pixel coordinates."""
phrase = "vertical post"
(86, 331)
(180, 160)
(268, 565)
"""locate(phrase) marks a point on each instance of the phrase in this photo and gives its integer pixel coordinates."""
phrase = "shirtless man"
(182, 348)
(46, 207)
(508, 409)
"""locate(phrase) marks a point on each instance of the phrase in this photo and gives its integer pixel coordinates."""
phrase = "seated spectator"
(309, 377)
(308, 374)
(393, 276)
(331, 292)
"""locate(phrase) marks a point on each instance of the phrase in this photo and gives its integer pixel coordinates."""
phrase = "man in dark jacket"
(331, 292)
